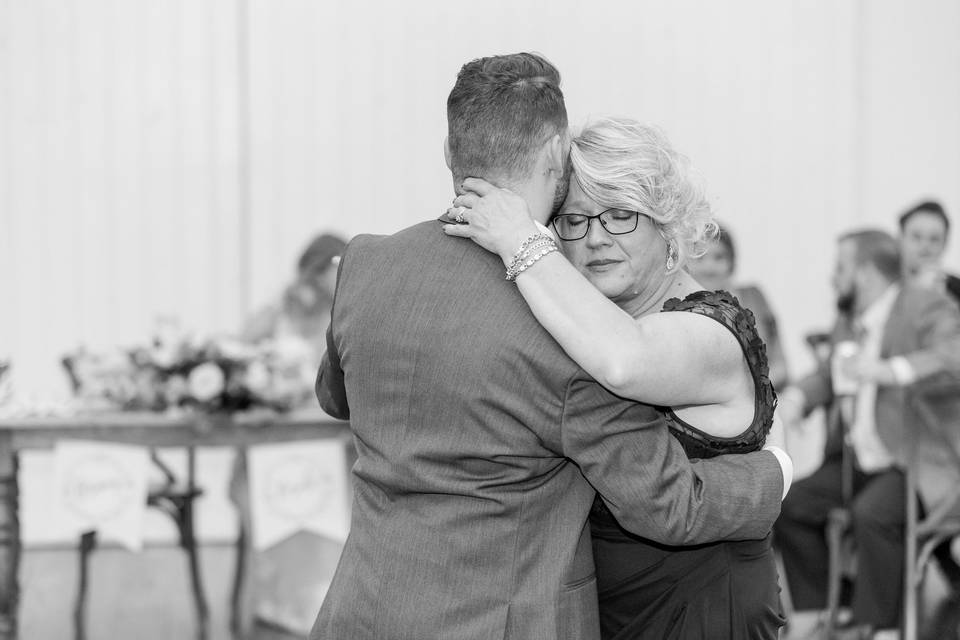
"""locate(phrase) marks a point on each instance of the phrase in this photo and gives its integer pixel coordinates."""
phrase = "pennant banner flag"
(101, 487)
(298, 486)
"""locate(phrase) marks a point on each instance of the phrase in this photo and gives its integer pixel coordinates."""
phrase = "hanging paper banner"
(101, 487)
(298, 486)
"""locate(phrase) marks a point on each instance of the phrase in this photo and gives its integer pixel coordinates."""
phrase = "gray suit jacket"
(923, 327)
(480, 444)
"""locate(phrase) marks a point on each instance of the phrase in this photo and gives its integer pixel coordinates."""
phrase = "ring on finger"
(459, 216)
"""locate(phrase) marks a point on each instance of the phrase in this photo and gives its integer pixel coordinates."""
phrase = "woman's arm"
(670, 359)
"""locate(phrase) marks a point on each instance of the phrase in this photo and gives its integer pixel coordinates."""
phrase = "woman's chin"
(613, 288)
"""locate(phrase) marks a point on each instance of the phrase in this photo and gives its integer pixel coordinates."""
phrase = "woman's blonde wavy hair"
(622, 163)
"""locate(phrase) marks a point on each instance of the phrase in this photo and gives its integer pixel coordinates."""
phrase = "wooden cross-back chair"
(942, 523)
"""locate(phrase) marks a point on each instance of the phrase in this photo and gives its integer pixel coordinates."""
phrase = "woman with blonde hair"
(618, 300)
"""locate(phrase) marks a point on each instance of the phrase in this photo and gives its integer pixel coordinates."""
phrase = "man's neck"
(535, 195)
(541, 208)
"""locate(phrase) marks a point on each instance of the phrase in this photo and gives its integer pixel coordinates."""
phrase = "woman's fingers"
(478, 185)
(457, 214)
(468, 200)
(460, 230)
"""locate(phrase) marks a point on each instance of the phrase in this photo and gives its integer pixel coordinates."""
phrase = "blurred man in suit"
(901, 335)
(924, 230)
(473, 429)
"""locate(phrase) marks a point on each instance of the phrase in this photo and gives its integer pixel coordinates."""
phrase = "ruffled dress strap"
(724, 307)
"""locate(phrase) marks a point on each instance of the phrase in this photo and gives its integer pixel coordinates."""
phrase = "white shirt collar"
(875, 316)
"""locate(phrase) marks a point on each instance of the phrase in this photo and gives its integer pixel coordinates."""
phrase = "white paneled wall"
(119, 173)
(910, 147)
(173, 156)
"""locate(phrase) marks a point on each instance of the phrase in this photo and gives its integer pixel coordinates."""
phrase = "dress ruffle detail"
(725, 308)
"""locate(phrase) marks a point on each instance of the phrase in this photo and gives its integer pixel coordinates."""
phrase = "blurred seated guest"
(289, 579)
(888, 335)
(714, 270)
(303, 309)
(923, 237)
(924, 231)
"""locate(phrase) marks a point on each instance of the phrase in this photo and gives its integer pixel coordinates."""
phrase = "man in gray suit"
(480, 444)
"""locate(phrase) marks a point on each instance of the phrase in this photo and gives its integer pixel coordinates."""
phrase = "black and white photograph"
(503, 320)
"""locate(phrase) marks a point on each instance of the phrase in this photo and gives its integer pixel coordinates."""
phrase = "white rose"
(163, 356)
(206, 381)
(257, 378)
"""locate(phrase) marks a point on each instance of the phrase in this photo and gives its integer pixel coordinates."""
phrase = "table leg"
(9, 539)
(242, 596)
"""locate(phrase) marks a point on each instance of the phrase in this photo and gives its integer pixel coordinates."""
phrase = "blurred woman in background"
(288, 580)
(714, 271)
(303, 309)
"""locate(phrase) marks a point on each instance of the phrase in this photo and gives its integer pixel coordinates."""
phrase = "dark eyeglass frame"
(599, 216)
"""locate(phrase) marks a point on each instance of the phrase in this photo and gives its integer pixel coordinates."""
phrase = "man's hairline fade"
(877, 248)
(483, 140)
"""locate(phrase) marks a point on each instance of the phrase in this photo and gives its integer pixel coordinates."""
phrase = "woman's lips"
(601, 263)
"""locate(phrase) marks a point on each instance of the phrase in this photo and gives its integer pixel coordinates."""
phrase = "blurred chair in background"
(928, 535)
(924, 230)
(887, 337)
(714, 270)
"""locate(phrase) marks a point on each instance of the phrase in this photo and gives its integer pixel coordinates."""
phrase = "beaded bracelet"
(511, 276)
(527, 246)
(538, 237)
(522, 256)
(534, 248)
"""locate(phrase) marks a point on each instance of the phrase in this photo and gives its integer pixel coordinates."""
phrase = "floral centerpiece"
(181, 372)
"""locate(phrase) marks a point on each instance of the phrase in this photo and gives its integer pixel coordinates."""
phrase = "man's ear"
(556, 154)
(864, 273)
(446, 152)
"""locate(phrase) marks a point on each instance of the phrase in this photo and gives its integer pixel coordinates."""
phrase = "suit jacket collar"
(897, 326)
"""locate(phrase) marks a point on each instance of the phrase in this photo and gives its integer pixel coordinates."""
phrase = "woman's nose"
(596, 233)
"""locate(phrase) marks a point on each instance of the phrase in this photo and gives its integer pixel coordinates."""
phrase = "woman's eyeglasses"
(574, 226)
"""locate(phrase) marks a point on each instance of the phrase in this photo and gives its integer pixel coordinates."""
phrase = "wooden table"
(149, 430)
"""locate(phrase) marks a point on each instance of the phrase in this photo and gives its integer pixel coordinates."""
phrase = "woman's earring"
(671, 256)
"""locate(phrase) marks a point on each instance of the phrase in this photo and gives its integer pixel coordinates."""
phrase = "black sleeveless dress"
(717, 591)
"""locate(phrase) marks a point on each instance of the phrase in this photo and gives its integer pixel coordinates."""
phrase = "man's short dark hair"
(930, 206)
(878, 248)
(501, 109)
